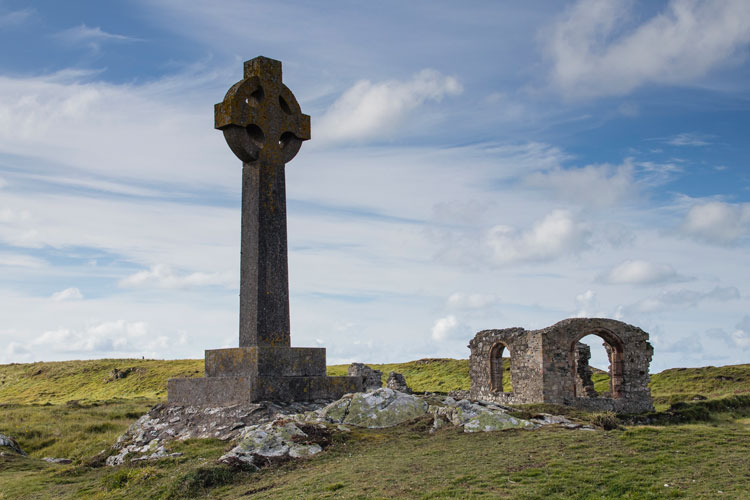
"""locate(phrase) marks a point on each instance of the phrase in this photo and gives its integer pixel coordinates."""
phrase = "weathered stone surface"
(397, 382)
(279, 439)
(266, 361)
(475, 417)
(10, 444)
(264, 127)
(58, 460)
(371, 379)
(267, 431)
(147, 437)
(377, 409)
(223, 391)
(546, 365)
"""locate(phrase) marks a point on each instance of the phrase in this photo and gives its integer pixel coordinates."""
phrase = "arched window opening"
(500, 380)
(597, 365)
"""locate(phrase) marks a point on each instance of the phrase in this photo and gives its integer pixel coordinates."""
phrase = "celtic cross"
(264, 127)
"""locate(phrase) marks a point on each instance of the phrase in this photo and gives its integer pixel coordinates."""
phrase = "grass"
(73, 410)
(424, 375)
(90, 381)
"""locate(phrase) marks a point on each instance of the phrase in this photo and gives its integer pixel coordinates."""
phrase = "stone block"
(227, 391)
(266, 361)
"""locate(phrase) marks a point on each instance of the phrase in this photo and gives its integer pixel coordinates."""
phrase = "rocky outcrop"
(7, 443)
(397, 382)
(266, 432)
(371, 379)
(279, 440)
(145, 439)
(377, 409)
(475, 417)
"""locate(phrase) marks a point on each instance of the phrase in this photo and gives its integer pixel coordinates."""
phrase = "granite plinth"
(266, 361)
(227, 391)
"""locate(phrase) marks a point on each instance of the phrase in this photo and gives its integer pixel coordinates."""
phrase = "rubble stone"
(397, 382)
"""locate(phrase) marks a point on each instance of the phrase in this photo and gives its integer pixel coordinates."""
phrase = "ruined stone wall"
(524, 366)
(551, 366)
(629, 363)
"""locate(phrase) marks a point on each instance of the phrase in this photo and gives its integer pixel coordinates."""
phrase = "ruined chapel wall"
(525, 358)
(630, 365)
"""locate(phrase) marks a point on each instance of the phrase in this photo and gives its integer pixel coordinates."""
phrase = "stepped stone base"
(261, 373)
(226, 391)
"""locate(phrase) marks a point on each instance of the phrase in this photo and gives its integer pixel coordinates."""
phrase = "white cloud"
(374, 109)
(741, 335)
(162, 276)
(717, 222)
(84, 34)
(641, 272)
(461, 300)
(556, 235)
(105, 337)
(65, 119)
(688, 139)
(449, 328)
(669, 299)
(67, 294)
(597, 185)
(587, 305)
(597, 50)
(3, 183)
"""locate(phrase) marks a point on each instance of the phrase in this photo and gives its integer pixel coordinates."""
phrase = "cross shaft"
(264, 127)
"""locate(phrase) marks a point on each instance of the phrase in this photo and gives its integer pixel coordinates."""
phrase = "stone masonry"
(551, 366)
(264, 127)
(371, 379)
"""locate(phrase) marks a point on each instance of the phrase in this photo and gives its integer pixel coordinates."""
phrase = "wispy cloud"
(162, 276)
(15, 17)
(91, 37)
(370, 109)
(597, 185)
(594, 53)
(460, 300)
(20, 260)
(67, 294)
(641, 272)
(669, 299)
(688, 139)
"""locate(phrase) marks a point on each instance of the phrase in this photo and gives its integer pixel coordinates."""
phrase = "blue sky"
(472, 166)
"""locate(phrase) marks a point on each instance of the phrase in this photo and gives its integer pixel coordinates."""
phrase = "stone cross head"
(260, 117)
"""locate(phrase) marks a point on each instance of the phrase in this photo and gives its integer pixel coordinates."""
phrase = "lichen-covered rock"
(145, 439)
(474, 417)
(377, 409)
(397, 382)
(279, 439)
(11, 444)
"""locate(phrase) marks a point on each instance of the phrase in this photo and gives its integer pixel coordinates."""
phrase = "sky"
(472, 166)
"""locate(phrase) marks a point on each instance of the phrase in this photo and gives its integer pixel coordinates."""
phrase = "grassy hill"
(75, 409)
(92, 381)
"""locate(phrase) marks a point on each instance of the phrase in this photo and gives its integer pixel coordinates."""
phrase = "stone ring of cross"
(260, 117)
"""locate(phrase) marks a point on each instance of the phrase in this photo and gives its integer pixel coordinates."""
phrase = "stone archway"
(615, 352)
(497, 369)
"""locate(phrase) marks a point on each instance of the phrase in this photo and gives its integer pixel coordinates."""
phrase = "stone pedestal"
(249, 374)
